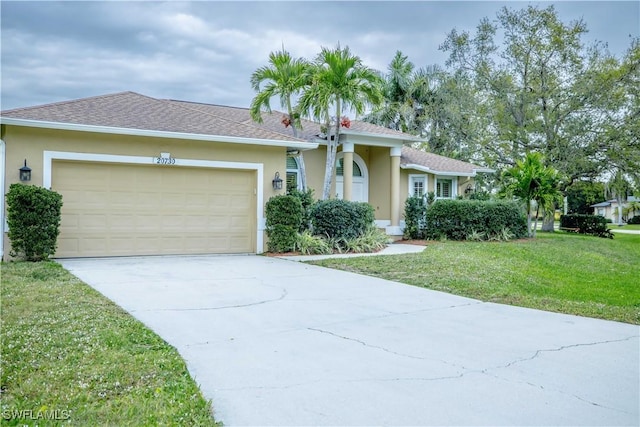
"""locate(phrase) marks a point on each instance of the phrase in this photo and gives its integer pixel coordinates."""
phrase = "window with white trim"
(446, 188)
(293, 174)
(417, 185)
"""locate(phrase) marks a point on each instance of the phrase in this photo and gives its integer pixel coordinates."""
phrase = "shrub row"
(594, 225)
(294, 221)
(475, 220)
(634, 220)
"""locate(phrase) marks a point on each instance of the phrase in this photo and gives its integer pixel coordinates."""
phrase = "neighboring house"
(146, 176)
(609, 209)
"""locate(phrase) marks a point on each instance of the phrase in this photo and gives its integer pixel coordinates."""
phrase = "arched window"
(340, 170)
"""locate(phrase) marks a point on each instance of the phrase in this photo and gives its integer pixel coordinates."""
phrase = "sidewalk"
(392, 249)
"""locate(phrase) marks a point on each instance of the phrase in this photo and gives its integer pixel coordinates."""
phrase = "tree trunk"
(529, 218)
(548, 222)
(619, 200)
(332, 148)
(303, 172)
(535, 223)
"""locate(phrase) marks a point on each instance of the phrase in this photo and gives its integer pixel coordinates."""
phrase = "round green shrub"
(341, 219)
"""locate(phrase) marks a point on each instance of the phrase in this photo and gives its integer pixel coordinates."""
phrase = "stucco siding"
(31, 143)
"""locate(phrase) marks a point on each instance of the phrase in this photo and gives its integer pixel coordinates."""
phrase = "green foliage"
(33, 216)
(480, 195)
(634, 220)
(308, 244)
(338, 80)
(306, 200)
(284, 219)
(530, 180)
(582, 194)
(284, 77)
(594, 225)
(414, 217)
(475, 219)
(341, 219)
(373, 240)
(536, 85)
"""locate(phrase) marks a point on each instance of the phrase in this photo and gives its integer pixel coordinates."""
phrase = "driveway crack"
(282, 296)
(386, 350)
(564, 347)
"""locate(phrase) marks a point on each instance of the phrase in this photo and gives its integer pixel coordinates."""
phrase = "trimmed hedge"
(284, 219)
(341, 219)
(634, 220)
(33, 216)
(594, 225)
(463, 219)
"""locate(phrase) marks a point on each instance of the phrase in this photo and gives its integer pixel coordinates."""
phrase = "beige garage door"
(122, 209)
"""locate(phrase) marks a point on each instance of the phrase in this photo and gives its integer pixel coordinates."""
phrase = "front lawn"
(71, 356)
(624, 227)
(567, 273)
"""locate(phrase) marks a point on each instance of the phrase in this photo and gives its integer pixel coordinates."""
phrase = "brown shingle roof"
(131, 110)
(134, 111)
(436, 163)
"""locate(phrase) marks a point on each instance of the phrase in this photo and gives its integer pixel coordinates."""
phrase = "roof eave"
(404, 138)
(300, 145)
(445, 173)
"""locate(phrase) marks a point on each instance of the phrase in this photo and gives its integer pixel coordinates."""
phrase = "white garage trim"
(50, 156)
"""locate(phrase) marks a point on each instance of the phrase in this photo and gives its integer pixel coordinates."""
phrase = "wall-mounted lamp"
(25, 172)
(277, 182)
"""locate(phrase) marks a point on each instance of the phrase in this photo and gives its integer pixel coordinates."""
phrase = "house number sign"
(164, 159)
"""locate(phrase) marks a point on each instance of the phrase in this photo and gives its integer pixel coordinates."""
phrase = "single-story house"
(609, 209)
(146, 176)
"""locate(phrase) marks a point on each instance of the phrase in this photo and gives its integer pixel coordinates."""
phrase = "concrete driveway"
(277, 342)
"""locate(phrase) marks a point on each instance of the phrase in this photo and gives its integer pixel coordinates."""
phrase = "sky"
(205, 51)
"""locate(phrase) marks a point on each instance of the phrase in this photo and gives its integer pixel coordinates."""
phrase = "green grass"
(625, 227)
(560, 272)
(69, 353)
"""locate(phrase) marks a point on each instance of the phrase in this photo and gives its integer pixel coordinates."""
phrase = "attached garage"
(144, 176)
(130, 209)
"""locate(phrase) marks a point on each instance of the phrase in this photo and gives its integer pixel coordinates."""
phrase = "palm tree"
(396, 110)
(530, 180)
(284, 77)
(338, 80)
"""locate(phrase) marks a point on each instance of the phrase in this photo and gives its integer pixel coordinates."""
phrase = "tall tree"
(531, 181)
(544, 91)
(284, 77)
(339, 81)
(429, 102)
